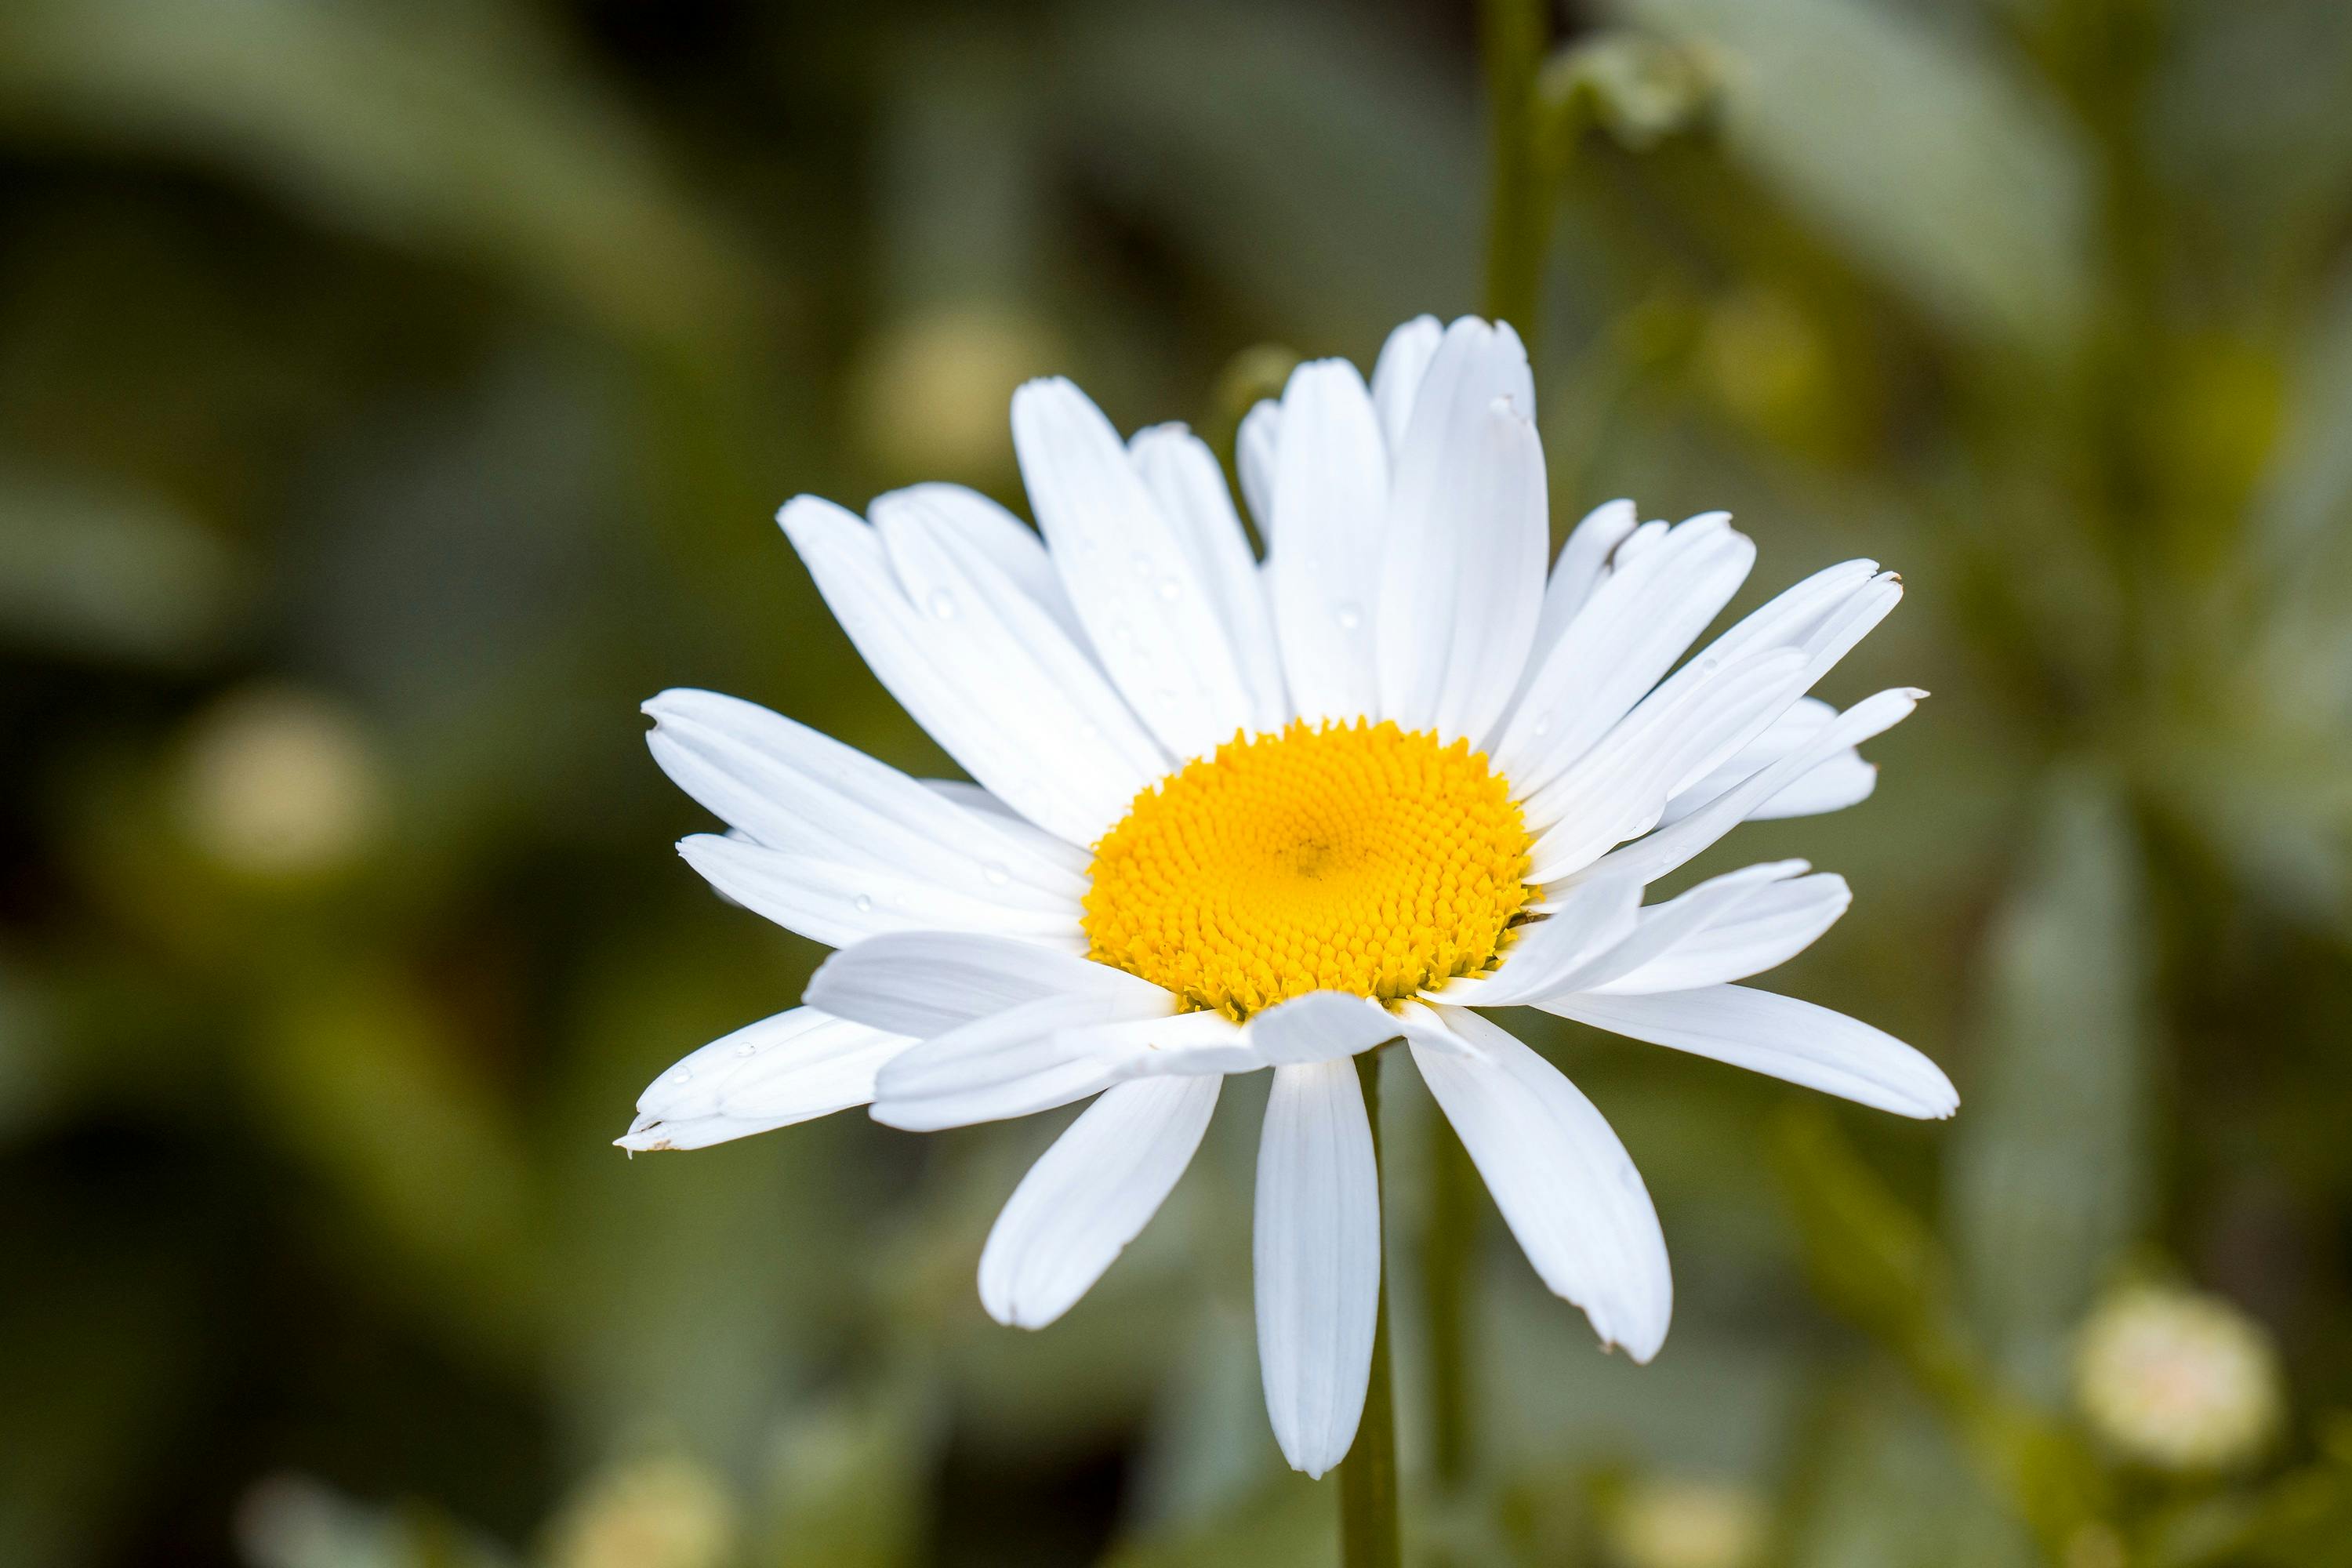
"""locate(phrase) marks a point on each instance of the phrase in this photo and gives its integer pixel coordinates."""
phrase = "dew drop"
(682, 1075)
(1543, 728)
(943, 605)
(864, 904)
(1170, 590)
(996, 873)
(746, 1049)
(1348, 613)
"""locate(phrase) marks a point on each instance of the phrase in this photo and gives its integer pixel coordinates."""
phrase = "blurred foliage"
(392, 396)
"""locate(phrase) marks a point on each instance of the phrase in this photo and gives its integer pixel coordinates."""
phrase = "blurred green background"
(394, 393)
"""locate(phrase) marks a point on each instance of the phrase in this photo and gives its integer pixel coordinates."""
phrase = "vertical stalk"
(1367, 1476)
(1511, 38)
(1448, 1256)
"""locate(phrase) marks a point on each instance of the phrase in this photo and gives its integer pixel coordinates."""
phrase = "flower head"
(1228, 816)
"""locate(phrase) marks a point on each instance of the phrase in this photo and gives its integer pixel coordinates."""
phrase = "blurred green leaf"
(94, 569)
(1308, 161)
(2300, 1520)
(1876, 1262)
(292, 1521)
(850, 1480)
(453, 126)
(1881, 1485)
(2049, 1164)
(1290, 1523)
(1935, 166)
(357, 1075)
(101, 1358)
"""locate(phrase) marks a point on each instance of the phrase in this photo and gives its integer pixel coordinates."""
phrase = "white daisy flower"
(1233, 815)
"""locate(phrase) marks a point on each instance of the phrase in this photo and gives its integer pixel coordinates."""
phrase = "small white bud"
(2178, 1379)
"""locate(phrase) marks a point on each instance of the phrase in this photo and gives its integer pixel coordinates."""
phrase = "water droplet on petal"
(943, 605)
(682, 1075)
(996, 873)
(864, 904)
(746, 1049)
(1170, 590)
(1348, 613)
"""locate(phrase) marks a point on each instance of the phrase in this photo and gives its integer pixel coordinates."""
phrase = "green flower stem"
(1518, 212)
(1367, 1476)
(1447, 1259)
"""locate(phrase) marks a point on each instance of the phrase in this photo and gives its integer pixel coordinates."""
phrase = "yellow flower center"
(1349, 858)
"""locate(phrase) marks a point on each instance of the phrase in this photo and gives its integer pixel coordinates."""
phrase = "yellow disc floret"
(1347, 858)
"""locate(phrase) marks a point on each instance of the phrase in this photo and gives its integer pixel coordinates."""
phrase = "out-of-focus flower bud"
(2178, 1379)
(1684, 1522)
(279, 784)
(660, 1511)
(1638, 89)
(933, 392)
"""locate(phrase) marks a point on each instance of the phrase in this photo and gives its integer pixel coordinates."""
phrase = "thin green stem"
(1511, 38)
(1447, 1261)
(1367, 1476)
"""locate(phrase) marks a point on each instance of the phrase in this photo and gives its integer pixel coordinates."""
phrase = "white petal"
(990, 675)
(1183, 1043)
(830, 902)
(1802, 614)
(1652, 858)
(1804, 720)
(1583, 562)
(1833, 783)
(1316, 1254)
(1183, 474)
(1018, 1062)
(1464, 580)
(1007, 541)
(1636, 624)
(794, 790)
(1320, 1026)
(925, 983)
(1835, 635)
(1768, 927)
(1090, 1195)
(1591, 918)
(791, 1068)
(1462, 583)
(1256, 444)
(1779, 1035)
(1005, 820)
(1150, 614)
(1665, 929)
(1639, 543)
(1618, 789)
(1397, 375)
(1323, 567)
(1565, 1184)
